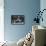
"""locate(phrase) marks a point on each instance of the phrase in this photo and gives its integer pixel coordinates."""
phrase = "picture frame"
(17, 19)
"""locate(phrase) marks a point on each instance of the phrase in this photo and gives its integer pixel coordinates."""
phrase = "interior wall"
(1, 20)
(28, 8)
(43, 6)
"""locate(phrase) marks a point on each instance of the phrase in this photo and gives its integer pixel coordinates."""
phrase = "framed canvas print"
(17, 19)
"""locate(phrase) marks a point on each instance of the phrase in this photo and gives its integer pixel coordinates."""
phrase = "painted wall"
(43, 6)
(19, 7)
(1, 20)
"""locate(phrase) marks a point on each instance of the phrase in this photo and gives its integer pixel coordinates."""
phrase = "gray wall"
(43, 6)
(19, 7)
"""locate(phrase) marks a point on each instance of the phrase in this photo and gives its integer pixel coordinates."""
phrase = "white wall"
(1, 20)
(43, 6)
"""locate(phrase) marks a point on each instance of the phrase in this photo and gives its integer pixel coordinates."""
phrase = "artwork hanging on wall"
(17, 19)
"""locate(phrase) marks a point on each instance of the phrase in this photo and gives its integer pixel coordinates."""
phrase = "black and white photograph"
(17, 19)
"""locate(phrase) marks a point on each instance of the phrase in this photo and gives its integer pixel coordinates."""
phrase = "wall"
(1, 20)
(43, 6)
(19, 7)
